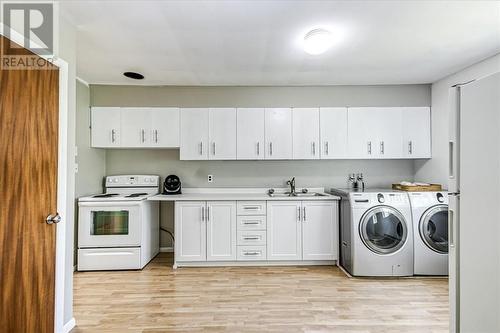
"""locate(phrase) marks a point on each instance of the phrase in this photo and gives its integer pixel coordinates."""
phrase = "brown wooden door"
(29, 104)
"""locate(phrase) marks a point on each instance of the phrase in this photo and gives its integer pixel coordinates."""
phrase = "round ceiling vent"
(134, 75)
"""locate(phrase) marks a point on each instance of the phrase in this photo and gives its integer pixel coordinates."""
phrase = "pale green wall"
(256, 173)
(91, 162)
(391, 95)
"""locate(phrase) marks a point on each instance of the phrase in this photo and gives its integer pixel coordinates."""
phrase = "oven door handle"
(110, 204)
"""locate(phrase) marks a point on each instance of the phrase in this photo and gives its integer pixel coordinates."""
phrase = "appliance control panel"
(372, 199)
(133, 181)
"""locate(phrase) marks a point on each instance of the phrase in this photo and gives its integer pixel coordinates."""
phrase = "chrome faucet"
(291, 182)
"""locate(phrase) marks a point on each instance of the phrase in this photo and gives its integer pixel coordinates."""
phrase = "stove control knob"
(146, 180)
(380, 198)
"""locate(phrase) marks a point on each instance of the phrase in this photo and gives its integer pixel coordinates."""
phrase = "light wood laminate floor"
(255, 299)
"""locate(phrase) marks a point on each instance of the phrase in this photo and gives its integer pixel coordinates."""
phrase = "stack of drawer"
(251, 230)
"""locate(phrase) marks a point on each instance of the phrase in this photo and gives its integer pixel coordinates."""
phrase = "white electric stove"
(119, 229)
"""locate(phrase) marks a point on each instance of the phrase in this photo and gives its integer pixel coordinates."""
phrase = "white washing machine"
(376, 233)
(430, 229)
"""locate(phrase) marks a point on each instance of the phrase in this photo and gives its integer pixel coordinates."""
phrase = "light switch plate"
(210, 178)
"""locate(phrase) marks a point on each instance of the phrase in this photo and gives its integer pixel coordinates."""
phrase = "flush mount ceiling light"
(318, 41)
(134, 75)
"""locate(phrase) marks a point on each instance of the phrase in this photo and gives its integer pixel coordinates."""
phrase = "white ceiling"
(258, 42)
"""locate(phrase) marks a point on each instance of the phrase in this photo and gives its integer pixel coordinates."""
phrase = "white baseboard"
(166, 249)
(255, 263)
(69, 325)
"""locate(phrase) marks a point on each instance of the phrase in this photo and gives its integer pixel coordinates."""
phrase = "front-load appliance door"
(383, 230)
(433, 228)
(109, 224)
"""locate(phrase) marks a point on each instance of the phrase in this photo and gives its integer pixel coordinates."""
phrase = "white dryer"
(376, 233)
(430, 229)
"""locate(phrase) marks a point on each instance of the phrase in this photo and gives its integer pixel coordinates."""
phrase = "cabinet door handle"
(208, 214)
(382, 150)
(314, 148)
(202, 214)
(143, 135)
(213, 146)
(410, 147)
(201, 148)
(270, 149)
(156, 136)
(299, 217)
(369, 148)
(304, 216)
(327, 150)
(258, 148)
(113, 136)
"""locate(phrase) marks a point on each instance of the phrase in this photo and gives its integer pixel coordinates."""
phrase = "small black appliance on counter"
(172, 185)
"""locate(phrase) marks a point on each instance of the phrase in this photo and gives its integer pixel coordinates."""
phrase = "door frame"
(62, 183)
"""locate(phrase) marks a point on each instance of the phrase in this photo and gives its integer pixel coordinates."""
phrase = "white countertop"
(239, 194)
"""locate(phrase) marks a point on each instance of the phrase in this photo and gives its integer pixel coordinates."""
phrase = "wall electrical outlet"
(210, 178)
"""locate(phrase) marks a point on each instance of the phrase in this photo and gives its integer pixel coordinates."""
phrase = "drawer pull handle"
(251, 253)
(110, 254)
(251, 223)
(251, 207)
(251, 238)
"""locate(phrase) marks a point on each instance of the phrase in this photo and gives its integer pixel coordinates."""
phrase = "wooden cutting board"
(418, 188)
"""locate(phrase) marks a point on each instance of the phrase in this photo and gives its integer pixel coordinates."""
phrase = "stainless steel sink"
(299, 194)
(311, 194)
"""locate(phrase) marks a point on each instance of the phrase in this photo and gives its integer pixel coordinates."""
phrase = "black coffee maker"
(172, 185)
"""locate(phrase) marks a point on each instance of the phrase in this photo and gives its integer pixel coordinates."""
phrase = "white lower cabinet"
(205, 231)
(221, 231)
(190, 231)
(302, 230)
(284, 230)
(224, 231)
(319, 230)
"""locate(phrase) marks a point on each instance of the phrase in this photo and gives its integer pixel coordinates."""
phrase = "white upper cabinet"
(375, 132)
(305, 133)
(135, 127)
(416, 132)
(362, 133)
(268, 133)
(333, 133)
(194, 134)
(106, 125)
(165, 127)
(278, 129)
(250, 133)
(222, 134)
(389, 132)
